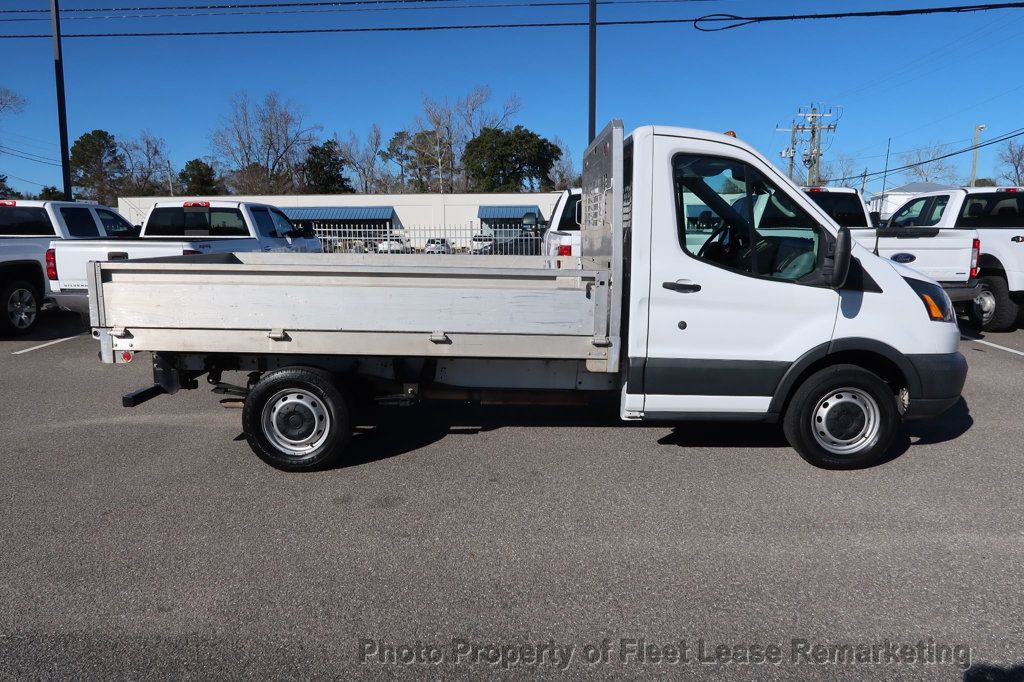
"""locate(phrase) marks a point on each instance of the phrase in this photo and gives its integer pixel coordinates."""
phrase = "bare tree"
(924, 169)
(364, 158)
(263, 143)
(1012, 159)
(564, 174)
(840, 172)
(147, 169)
(11, 102)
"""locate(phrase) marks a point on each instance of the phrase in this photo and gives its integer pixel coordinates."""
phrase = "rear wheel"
(21, 303)
(842, 417)
(993, 309)
(296, 419)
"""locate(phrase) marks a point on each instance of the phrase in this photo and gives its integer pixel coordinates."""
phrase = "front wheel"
(993, 310)
(296, 419)
(21, 302)
(842, 417)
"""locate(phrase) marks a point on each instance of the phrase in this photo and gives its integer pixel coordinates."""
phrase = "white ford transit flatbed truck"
(776, 316)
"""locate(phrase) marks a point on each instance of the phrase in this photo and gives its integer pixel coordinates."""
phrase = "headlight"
(935, 299)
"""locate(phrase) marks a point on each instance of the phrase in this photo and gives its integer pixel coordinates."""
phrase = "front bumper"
(941, 379)
(959, 292)
(75, 300)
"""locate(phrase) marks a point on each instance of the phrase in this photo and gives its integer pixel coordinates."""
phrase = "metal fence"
(469, 239)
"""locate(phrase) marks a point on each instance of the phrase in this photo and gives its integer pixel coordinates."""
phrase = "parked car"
(27, 229)
(481, 244)
(996, 214)
(946, 255)
(395, 244)
(175, 228)
(438, 245)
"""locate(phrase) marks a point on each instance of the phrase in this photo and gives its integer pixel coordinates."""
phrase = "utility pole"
(816, 130)
(863, 182)
(790, 151)
(974, 158)
(592, 109)
(170, 174)
(62, 113)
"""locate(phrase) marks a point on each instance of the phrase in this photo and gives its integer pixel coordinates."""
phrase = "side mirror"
(842, 258)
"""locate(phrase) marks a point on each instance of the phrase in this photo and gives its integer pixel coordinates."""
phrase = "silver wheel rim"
(296, 422)
(985, 305)
(845, 421)
(21, 308)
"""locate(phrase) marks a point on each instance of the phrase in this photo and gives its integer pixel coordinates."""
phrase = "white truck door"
(912, 238)
(736, 297)
(270, 238)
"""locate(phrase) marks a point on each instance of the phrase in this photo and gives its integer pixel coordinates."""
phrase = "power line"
(31, 182)
(5, 150)
(336, 10)
(1002, 138)
(743, 21)
(738, 21)
(248, 5)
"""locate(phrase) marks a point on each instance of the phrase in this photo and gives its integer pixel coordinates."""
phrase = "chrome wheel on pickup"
(21, 308)
(842, 417)
(296, 419)
(993, 309)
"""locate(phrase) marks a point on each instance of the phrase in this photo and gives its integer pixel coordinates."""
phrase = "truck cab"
(910, 237)
(562, 238)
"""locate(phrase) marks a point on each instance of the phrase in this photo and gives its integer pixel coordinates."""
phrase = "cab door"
(735, 298)
(271, 239)
(912, 238)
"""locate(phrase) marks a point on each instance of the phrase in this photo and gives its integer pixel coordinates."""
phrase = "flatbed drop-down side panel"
(330, 304)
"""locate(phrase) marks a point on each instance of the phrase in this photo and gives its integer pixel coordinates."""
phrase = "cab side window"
(909, 215)
(934, 212)
(730, 215)
(114, 225)
(264, 223)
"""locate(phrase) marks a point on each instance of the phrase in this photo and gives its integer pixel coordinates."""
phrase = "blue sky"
(917, 79)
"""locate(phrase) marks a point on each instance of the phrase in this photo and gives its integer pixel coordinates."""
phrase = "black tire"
(1005, 314)
(296, 419)
(20, 304)
(846, 396)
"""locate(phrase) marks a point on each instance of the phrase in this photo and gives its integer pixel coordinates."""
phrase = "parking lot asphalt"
(151, 542)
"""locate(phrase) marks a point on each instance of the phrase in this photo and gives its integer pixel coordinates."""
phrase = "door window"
(114, 225)
(264, 223)
(80, 222)
(934, 213)
(910, 214)
(743, 222)
(283, 226)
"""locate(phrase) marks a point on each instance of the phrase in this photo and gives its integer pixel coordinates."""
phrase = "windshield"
(843, 207)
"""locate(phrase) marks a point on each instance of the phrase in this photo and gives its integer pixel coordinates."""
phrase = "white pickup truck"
(996, 215)
(946, 255)
(777, 317)
(562, 238)
(27, 229)
(176, 228)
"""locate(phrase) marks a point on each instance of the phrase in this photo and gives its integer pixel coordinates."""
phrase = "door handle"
(682, 286)
(117, 255)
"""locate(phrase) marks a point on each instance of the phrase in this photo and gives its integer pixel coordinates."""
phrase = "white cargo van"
(777, 316)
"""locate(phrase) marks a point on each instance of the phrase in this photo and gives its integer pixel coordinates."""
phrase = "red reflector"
(196, 204)
(8, 202)
(564, 250)
(189, 252)
(51, 265)
(975, 253)
(127, 355)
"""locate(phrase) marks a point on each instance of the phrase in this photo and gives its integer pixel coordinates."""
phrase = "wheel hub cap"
(846, 421)
(985, 305)
(296, 422)
(21, 308)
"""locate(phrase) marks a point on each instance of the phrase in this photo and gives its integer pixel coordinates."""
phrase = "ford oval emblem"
(904, 257)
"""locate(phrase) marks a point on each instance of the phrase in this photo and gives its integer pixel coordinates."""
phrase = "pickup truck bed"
(348, 304)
